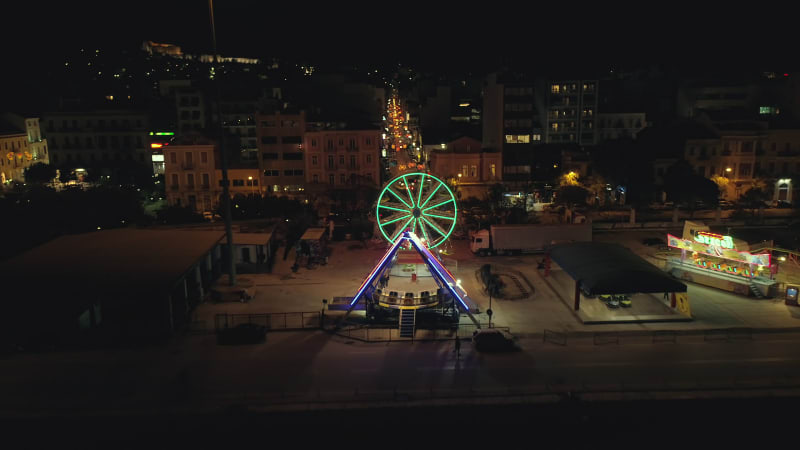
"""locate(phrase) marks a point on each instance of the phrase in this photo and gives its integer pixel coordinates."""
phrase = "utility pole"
(226, 197)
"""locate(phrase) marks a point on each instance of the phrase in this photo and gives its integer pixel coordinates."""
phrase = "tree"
(572, 195)
(40, 173)
(754, 198)
(684, 186)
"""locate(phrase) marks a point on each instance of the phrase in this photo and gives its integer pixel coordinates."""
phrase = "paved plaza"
(546, 309)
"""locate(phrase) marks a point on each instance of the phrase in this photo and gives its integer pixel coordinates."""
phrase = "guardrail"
(273, 321)
(369, 333)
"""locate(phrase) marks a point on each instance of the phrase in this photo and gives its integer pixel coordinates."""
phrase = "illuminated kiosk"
(416, 212)
(713, 260)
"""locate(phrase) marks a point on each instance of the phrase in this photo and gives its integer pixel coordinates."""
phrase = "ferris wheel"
(419, 202)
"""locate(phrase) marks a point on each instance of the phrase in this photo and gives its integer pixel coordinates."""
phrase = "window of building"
(330, 161)
(747, 147)
(173, 157)
(331, 178)
(330, 144)
(493, 170)
(555, 89)
(206, 180)
(369, 141)
(298, 172)
(315, 178)
(341, 141)
(187, 156)
(314, 160)
(744, 170)
(291, 139)
(287, 173)
(88, 142)
(352, 161)
(267, 123)
(518, 139)
(174, 180)
(464, 170)
(293, 156)
(269, 140)
(473, 171)
(190, 180)
(341, 160)
(342, 179)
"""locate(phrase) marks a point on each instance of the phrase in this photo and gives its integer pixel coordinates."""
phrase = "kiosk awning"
(604, 268)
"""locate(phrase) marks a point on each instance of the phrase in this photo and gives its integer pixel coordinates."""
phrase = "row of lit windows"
(522, 138)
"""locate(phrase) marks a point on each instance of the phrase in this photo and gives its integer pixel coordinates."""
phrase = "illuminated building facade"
(342, 158)
(571, 112)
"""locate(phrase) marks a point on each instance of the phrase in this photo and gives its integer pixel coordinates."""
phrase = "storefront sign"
(761, 259)
(717, 240)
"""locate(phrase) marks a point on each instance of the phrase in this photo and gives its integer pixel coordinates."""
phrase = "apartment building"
(744, 156)
(281, 159)
(96, 137)
(342, 158)
(190, 174)
(570, 110)
(190, 105)
(21, 145)
(612, 126)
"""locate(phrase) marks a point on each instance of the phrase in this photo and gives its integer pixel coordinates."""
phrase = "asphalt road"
(196, 374)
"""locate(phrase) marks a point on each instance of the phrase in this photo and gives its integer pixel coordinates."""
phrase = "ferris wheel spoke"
(431, 196)
(438, 215)
(408, 190)
(424, 231)
(400, 230)
(439, 204)
(421, 188)
(434, 226)
(394, 207)
(395, 220)
(399, 198)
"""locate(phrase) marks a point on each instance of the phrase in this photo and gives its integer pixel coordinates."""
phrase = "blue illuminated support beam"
(377, 270)
(444, 275)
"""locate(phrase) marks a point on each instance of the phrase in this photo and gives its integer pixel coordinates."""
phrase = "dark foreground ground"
(574, 423)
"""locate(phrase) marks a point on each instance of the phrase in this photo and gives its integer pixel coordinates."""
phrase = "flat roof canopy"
(250, 238)
(604, 268)
(312, 234)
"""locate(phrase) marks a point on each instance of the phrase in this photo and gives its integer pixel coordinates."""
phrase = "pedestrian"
(458, 347)
(666, 296)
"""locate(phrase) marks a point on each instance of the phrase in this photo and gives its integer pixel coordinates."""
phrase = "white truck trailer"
(512, 239)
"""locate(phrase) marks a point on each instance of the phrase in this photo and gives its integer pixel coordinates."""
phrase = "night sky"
(465, 37)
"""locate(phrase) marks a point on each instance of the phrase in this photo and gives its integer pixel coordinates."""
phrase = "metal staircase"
(753, 288)
(408, 318)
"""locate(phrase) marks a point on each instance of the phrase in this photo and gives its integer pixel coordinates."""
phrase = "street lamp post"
(226, 197)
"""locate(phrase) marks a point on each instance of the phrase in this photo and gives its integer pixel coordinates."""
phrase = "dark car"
(494, 340)
(246, 333)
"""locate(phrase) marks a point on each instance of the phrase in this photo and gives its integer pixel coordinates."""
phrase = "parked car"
(625, 301)
(494, 340)
(246, 333)
(613, 302)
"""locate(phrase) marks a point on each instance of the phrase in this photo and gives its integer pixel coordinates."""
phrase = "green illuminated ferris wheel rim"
(419, 202)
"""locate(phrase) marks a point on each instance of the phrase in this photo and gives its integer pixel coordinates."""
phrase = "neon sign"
(716, 240)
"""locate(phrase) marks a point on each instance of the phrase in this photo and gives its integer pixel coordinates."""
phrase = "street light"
(250, 179)
(728, 169)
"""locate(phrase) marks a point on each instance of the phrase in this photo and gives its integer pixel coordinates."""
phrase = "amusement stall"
(721, 262)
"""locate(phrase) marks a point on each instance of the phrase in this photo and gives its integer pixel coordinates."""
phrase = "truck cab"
(479, 243)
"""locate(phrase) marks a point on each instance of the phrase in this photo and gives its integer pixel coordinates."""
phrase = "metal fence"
(273, 321)
(367, 333)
